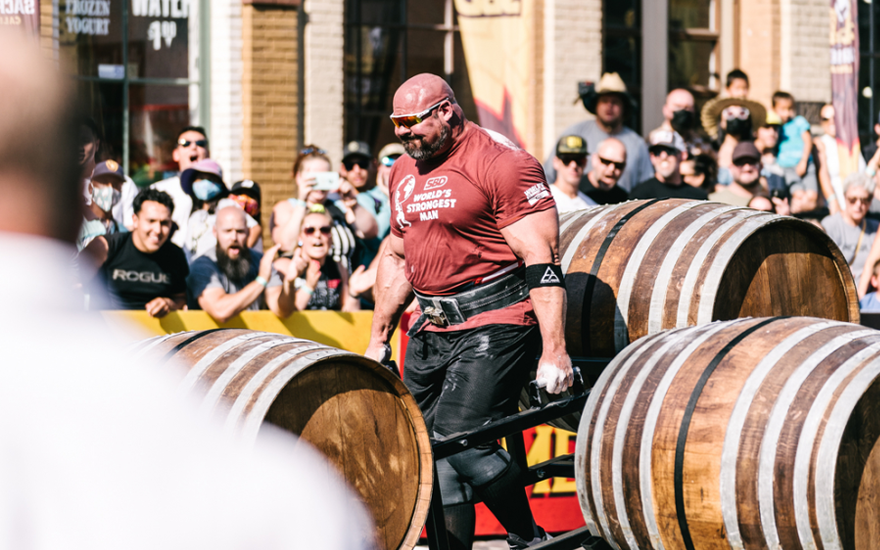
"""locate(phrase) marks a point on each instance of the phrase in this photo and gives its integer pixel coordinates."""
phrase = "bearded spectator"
(746, 184)
(233, 278)
(608, 163)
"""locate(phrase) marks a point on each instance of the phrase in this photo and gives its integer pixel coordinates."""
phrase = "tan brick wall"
(324, 75)
(810, 78)
(573, 52)
(269, 101)
(760, 46)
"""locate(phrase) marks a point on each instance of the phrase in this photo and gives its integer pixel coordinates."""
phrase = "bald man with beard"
(233, 278)
(475, 239)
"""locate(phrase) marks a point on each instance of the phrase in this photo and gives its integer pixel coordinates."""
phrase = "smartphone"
(326, 181)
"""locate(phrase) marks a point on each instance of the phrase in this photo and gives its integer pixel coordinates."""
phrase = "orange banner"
(498, 37)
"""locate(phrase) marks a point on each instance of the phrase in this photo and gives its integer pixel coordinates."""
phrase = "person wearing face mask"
(204, 183)
(731, 120)
(104, 190)
(679, 116)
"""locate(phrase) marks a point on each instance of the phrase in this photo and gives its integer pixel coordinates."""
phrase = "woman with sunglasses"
(288, 215)
(321, 283)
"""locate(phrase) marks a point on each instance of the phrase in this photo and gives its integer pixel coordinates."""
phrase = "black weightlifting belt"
(444, 311)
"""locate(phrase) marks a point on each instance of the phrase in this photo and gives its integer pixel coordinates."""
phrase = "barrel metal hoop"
(586, 311)
(187, 342)
(686, 423)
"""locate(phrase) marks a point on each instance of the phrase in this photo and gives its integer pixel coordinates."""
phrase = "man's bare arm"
(535, 239)
(94, 254)
(222, 306)
(392, 292)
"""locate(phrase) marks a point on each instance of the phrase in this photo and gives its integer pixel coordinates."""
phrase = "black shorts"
(465, 379)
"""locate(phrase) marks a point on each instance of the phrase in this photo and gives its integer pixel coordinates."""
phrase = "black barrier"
(511, 428)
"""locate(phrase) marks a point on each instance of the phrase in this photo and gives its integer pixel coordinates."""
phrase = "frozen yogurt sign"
(163, 31)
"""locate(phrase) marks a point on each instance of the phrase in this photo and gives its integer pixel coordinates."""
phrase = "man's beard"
(236, 269)
(424, 153)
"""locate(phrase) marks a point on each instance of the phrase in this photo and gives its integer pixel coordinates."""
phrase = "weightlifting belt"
(444, 311)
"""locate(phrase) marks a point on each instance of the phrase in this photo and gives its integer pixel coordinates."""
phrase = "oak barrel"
(753, 433)
(349, 407)
(640, 267)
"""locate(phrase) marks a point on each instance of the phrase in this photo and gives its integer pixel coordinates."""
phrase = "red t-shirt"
(449, 212)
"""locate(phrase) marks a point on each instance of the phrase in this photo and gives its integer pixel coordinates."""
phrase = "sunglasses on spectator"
(324, 229)
(389, 160)
(362, 163)
(735, 112)
(619, 165)
(311, 150)
(408, 121)
(863, 200)
(742, 162)
(568, 159)
(203, 143)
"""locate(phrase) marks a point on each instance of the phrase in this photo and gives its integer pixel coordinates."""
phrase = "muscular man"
(473, 218)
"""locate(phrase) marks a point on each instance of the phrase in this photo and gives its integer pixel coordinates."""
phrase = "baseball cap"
(356, 148)
(571, 145)
(391, 150)
(666, 139)
(745, 150)
(205, 166)
(109, 169)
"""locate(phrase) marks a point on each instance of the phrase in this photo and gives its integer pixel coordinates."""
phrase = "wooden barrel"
(753, 433)
(640, 267)
(349, 407)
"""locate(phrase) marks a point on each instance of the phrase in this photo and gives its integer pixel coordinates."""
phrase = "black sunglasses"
(619, 165)
(363, 163)
(203, 143)
(742, 162)
(567, 159)
(324, 229)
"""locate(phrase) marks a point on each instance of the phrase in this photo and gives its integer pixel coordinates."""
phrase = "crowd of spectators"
(735, 151)
(193, 241)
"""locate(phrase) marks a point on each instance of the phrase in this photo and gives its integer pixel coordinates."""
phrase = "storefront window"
(388, 41)
(622, 45)
(137, 67)
(869, 70)
(693, 44)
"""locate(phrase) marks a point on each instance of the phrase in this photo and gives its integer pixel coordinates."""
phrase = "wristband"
(262, 281)
(542, 275)
(307, 289)
(870, 171)
(299, 202)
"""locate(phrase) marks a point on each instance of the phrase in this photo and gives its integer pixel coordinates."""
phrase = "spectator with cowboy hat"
(731, 120)
(611, 104)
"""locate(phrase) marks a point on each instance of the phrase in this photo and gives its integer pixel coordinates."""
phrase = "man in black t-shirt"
(143, 269)
(608, 163)
(666, 151)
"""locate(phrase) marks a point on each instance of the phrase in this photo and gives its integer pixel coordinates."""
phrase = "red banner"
(845, 82)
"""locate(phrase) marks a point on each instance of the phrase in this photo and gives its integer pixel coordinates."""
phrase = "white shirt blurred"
(98, 452)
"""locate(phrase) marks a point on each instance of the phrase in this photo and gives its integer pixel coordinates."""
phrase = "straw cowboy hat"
(610, 83)
(712, 112)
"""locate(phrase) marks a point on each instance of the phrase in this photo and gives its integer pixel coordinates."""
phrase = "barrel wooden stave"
(347, 406)
(755, 426)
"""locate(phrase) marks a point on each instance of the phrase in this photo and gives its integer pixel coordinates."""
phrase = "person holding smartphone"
(311, 165)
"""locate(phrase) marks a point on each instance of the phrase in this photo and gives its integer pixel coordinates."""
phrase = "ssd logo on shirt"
(536, 193)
